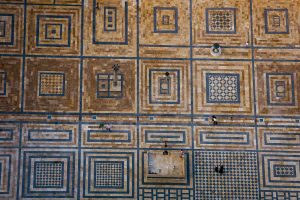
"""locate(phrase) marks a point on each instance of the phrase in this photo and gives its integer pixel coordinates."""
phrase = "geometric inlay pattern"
(276, 21)
(223, 88)
(239, 180)
(48, 174)
(166, 193)
(109, 174)
(284, 170)
(220, 20)
(51, 84)
(110, 86)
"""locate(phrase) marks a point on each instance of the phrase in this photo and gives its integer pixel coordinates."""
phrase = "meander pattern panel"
(114, 99)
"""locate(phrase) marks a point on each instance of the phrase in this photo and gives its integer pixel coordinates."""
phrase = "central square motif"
(165, 20)
(51, 84)
(280, 89)
(276, 21)
(2, 83)
(221, 20)
(110, 86)
(54, 31)
(48, 174)
(164, 89)
(109, 174)
(222, 88)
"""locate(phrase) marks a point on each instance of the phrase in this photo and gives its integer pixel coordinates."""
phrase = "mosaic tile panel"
(281, 138)
(110, 28)
(224, 137)
(224, 22)
(49, 174)
(162, 23)
(156, 136)
(11, 29)
(124, 136)
(276, 23)
(277, 83)
(50, 135)
(279, 171)
(154, 84)
(108, 174)
(8, 171)
(239, 180)
(9, 134)
(55, 31)
(107, 91)
(222, 87)
(10, 84)
(51, 84)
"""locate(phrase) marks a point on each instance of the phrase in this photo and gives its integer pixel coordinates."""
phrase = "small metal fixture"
(215, 50)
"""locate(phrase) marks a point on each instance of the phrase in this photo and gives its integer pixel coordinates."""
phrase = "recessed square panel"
(277, 21)
(165, 20)
(280, 89)
(54, 30)
(222, 88)
(51, 84)
(110, 28)
(49, 174)
(11, 28)
(280, 171)
(164, 89)
(108, 174)
(110, 22)
(165, 86)
(224, 22)
(7, 29)
(276, 24)
(8, 173)
(221, 20)
(277, 88)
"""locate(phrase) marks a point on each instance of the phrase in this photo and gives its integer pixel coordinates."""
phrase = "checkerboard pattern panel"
(239, 180)
(109, 174)
(52, 84)
(223, 88)
(48, 174)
